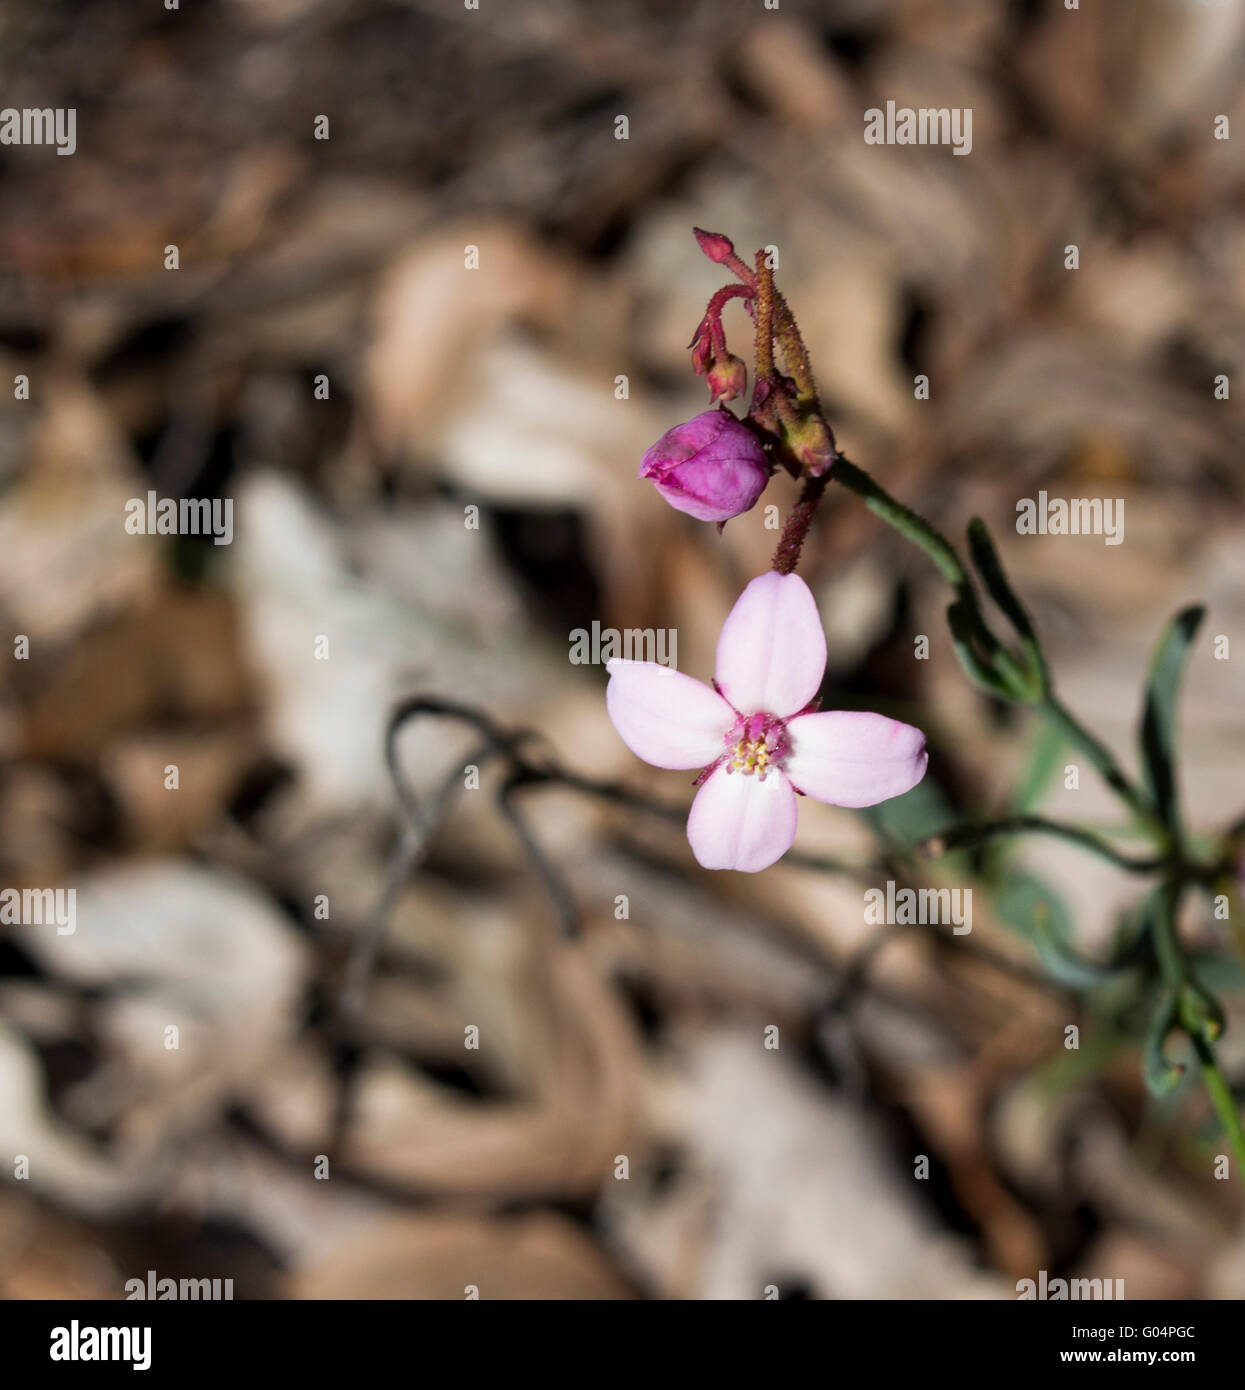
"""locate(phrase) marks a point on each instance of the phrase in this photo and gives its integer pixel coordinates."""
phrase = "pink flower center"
(756, 743)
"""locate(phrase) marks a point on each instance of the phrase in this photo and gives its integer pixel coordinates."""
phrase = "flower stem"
(795, 354)
(973, 836)
(713, 313)
(791, 542)
(1222, 1099)
(1024, 680)
(1012, 678)
(1176, 977)
(1166, 900)
(917, 530)
(904, 520)
(764, 321)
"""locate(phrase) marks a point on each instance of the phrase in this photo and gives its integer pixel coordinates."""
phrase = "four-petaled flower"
(755, 731)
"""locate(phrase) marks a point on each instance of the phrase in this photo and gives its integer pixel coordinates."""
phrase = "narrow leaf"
(1029, 905)
(986, 558)
(963, 633)
(1158, 721)
(1162, 1076)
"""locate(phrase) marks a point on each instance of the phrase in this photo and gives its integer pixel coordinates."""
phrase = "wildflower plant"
(757, 732)
(759, 739)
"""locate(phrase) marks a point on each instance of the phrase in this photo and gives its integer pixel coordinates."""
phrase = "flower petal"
(665, 717)
(772, 650)
(739, 822)
(853, 758)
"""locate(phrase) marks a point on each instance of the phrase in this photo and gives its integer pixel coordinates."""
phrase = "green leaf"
(1201, 1014)
(1044, 758)
(986, 559)
(1217, 972)
(974, 835)
(960, 620)
(1158, 720)
(1162, 1076)
(906, 820)
(1029, 905)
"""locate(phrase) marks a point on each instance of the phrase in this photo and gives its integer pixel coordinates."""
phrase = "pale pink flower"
(755, 733)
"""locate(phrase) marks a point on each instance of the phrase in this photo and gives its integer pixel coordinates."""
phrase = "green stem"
(1176, 977)
(1067, 724)
(1163, 921)
(1223, 1100)
(1195, 1011)
(909, 525)
(917, 530)
(971, 836)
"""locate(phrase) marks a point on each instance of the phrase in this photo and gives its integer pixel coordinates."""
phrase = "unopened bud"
(702, 349)
(812, 445)
(716, 246)
(711, 467)
(727, 378)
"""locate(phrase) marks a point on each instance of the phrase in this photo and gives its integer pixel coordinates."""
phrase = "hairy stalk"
(795, 354)
(791, 542)
(764, 321)
(909, 525)
(713, 313)
(919, 532)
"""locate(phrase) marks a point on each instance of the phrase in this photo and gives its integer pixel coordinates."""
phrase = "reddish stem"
(713, 314)
(791, 542)
(727, 292)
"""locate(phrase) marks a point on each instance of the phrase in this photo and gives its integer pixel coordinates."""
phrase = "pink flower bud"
(813, 445)
(727, 377)
(716, 246)
(711, 467)
(702, 350)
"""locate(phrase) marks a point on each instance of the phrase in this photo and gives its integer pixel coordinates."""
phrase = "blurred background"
(621, 1131)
